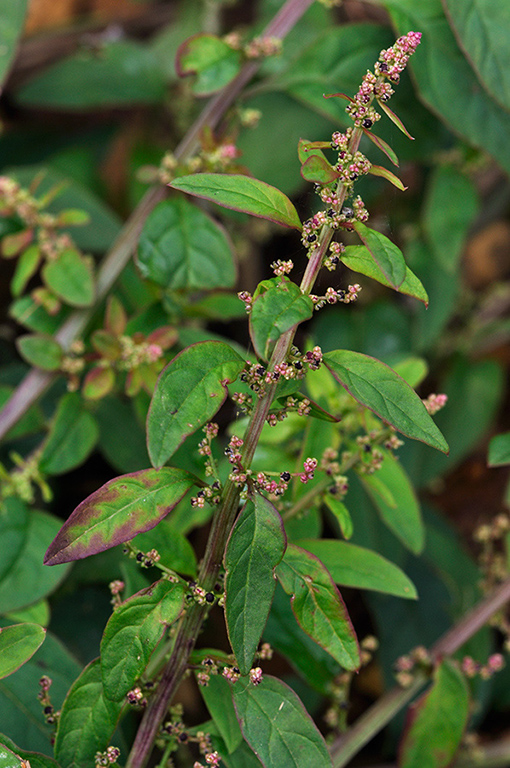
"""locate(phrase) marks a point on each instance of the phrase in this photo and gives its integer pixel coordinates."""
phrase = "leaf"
(133, 633)
(317, 170)
(13, 532)
(20, 710)
(341, 514)
(87, 720)
(72, 437)
(403, 517)
(379, 170)
(41, 351)
(27, 580)
(395, 119)
(382, 145)
(443, 711)
(18, 643)
(499, 450)
(353, 566)
(360, 259)
(318, 605)
(37, 613)
(277, 308)
(387, 256)
(8, 759)
(70, 277)
(307, 149)
(35, 759)
(117, 511)
(451, 205)
(26, 267)
(98, 383)
(12, 19)
(190, 390)
(480, 28)
(277, 727)
(121, 72)
(241, 193)
(218, 699)
(469, 111)
(255, 547)
(413, 369)
(181, 247)
(376, 386)
(213, 62)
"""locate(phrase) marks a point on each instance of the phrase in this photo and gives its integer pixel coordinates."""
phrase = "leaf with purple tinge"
(317, 169)
(241, 193)
(379, 170)
(117, 511)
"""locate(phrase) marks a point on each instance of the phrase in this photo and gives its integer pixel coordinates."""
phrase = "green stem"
(380, 713)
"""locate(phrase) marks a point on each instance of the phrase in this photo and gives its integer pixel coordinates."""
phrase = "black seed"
(298, 365)
(334, 260)
(236, 670)
(285, 476)
(209, 597)
(48, 710)
(367, 448)
(367, 123)
(311, 238)
(383, 66)
(139, 556)
(183, 738)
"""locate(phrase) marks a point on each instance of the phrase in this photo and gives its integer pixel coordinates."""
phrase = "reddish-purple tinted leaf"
(382, 145)
(117, 511)
(318, 170)
(395, 119)
(339, 95)
(379, 170)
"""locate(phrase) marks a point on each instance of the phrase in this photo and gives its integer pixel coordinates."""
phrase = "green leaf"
(341, 514)
(181, 247)
(122, 72)
(277, 727)
(12, 18)
(376, 386)
(353, 566)
(98, 383)
(382, 145)
(387, 256)
(26, 267)
(480, 27)
(499, 450)
(70, 277)
(403, 517)
(8, 759)
(87, 721)
(443, 713)
(72, 437)
(278, 306)
(40, 350)
(413, 369)
(27, 580)
(117, 511)
(30, 423)
(133, 633)
(360, 259)
(20, 710)
(318, 605)
(255, 547)
(213, 62)
(190, 390)
(37, 613)
(379, 170)
(241, 193)
(13, 532)
(18, 643)
(469, 111)
(450, 206)
(218, 699)
(317, 170)
(35, 759)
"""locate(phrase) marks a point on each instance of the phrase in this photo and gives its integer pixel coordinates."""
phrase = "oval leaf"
(274, 311)
(277, 727)
(499, 450)
(87, 720)
(353, 566)
(71, 278)
(317, 170)
(255, 548)
(318, 605)
(402, 515)
(133, 632)
(26, 266)
(209, 58)
(117, 511)
(181, 247)
(376, 386)
(360, 259)
(387, 256)
(241, 193)
(40, 350)
(443, 711)
(72, 437)
(9, 759)
(18, 643)
(34, 759)
(190, 390)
